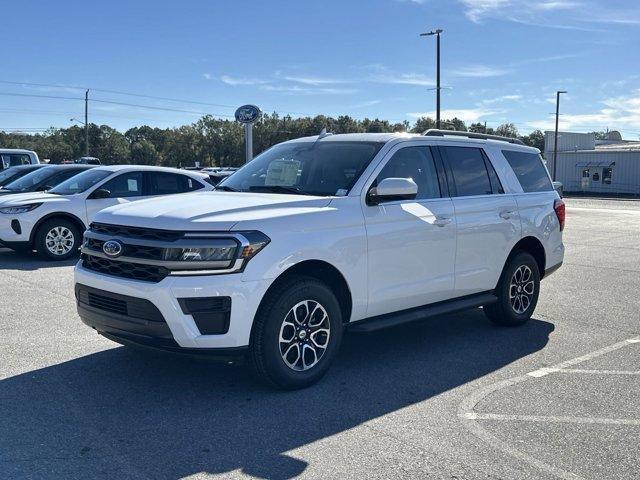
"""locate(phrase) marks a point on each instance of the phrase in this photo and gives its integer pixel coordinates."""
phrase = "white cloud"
(298, 90)
(417, 79)
(501, 99)
(308, 80)
(207, 76)
(622, 112)
(229, 80)
(468, 115)
(479, 71)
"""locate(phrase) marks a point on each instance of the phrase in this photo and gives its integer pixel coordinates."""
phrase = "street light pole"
(86, 123)
(437, 33)
(555, 141)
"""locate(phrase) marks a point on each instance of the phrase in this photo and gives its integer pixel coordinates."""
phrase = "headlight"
(19, 208)
(214, 253)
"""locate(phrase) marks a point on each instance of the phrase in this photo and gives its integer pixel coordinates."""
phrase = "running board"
(422, 313)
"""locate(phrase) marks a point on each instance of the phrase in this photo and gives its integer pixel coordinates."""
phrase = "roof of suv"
(150, 168)
(386, 137)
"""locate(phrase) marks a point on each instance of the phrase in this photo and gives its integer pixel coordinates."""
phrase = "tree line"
(216, 142)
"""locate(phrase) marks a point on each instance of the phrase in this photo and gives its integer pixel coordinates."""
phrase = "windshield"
(8, 174)
(309, 168)
(81, 182)
(31, 180)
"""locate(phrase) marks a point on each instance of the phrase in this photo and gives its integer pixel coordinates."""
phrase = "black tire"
(68, 228)
(265, 354)
(508, 310)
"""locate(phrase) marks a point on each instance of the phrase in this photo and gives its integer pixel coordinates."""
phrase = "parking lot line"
(552, 419)
(597, 372)
(604, 210)
(469, 417)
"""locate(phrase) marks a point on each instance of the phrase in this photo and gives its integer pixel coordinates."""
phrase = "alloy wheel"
(521, 289)
(59, 240)
(304, 335)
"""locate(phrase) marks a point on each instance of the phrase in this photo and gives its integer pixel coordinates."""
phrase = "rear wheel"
(57, 239)
(517, 291)
(297, 333)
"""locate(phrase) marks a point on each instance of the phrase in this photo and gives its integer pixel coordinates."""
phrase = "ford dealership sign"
(248, 114)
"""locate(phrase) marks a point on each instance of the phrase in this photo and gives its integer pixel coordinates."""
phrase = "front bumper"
(173, 329)
(9, 234)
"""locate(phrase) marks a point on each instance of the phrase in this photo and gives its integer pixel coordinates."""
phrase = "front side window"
(417, 164)
(81, 182)
(469, 171)
(530, 170)
(125, 185)
(323, 168)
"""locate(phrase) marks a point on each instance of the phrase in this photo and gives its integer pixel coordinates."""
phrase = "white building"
(600, 166)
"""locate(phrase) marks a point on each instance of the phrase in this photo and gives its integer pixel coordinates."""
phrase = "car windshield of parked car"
(7, 174)
(31, 180)
(307, 168)
(81, 182)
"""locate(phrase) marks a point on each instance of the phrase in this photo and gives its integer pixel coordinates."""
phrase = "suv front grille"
(136, 232)
(105, 303)
(137, 251)
(133, 271)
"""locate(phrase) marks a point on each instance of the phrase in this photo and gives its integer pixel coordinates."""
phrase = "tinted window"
(470, 174)
(15, 159)
(163, 183)
(415, 163)
(324, 167)
(126, 185)
(530, 170)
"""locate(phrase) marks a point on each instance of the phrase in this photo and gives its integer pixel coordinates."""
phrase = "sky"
(502, 61)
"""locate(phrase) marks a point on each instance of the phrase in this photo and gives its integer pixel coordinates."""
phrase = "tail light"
(559, 207)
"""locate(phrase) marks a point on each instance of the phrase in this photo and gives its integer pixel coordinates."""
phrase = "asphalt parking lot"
(453, 397)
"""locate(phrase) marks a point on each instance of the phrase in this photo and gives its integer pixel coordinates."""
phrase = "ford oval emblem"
(248, 114)
(112, 248)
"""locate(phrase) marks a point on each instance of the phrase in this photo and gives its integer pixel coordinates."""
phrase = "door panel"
(488, 223)
(488, 227)
(411, 243)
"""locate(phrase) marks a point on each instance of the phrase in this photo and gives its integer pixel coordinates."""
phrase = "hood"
(31, 197)
(215, 210)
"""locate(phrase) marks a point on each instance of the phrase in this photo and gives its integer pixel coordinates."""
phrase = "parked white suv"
(52, 222)
(317, 234)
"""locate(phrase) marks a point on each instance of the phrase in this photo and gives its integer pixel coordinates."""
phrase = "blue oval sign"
(112, 248)
(248, 114)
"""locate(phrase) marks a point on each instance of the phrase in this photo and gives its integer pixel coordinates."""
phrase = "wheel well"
(533, 246)
(67, 216)
(326, 273)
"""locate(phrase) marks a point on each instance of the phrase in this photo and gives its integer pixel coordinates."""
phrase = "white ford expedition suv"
(319, 234)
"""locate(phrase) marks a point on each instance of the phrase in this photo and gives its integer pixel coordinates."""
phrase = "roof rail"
(432, 132)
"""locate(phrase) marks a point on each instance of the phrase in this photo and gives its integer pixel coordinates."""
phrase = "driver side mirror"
(100, 193)
(391, 189)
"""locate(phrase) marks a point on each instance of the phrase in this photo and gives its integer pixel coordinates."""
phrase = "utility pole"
(86, 123)
(555, 141)
(437, 33)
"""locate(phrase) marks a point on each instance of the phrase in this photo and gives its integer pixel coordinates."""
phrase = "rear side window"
(470, 175)
(530, 171)
(163, 183)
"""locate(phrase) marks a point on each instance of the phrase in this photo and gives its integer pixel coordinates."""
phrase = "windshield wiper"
(276, 189)
(225, 188)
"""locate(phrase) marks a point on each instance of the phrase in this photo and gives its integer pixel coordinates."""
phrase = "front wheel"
(57, 239)
(297, 333)
(517, 291)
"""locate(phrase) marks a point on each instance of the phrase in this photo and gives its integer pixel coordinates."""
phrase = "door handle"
(442, 221)
(506, 214)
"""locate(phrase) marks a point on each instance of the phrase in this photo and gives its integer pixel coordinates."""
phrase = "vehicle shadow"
(122, 413)
(28, 261)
